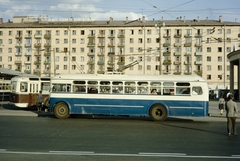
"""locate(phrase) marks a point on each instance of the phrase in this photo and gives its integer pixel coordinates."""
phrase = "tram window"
(79, 82)
(168, 84)
(61, 88)
(23, 86)
(155, 83)
(117, 87)
(168, 91)
(183, 84)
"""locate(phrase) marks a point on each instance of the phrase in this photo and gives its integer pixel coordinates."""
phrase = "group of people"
(231, 112)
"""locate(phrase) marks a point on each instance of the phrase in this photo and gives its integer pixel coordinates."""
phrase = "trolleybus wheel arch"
(61, 110)
(158, 112)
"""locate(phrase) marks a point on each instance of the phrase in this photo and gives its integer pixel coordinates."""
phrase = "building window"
(74, 41)
(219, 77)
(228, 49)
(219, 59)
(82, 32)
(65, 41)
(9, 58)
(148, 67)
(208, 77)
(219, 67)
(208, 49)
(65, 58)
(73, 50)
(209, 68)
(219, 49)
(131, 40)
(82, 50)
(228, 40)
(139, 67)
(82, 41)
(131, 50)
(74, 32)
(140, 32)
(10, 50)
(57, 32)
(82, 58)
(148, 40)
(65, 32)
(228, 31)
(1, 33)
(131, 32)
(208, 59)
(140, 40)
(74, 58)
(10, 41)
(208, 40)
(149, 32)
(64, 67)
(219, 31)
(57, 41)
(10, 33)
(73, 67)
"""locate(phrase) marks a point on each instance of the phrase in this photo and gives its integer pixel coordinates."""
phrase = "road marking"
(141, 154)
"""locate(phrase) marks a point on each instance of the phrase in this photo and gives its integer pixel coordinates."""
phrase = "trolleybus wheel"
(61, 111)
(158, 113)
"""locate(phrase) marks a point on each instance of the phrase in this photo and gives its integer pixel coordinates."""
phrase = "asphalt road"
(40, 136)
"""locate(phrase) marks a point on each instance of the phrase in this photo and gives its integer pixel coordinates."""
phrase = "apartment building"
(46, 47)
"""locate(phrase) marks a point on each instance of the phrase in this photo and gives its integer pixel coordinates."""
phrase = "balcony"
(166, 53)
(121, 36)
(187, 72)
(18, 62)
(198, 62)
(121, 62)
(111, 53)
(18, 45)
(166, 44)
(101, 44)
(111, 35)
(178, 35)
(91, 62)
(198, 72)
(177, 72)
(36, 72)
(121, 45)
(188, 35)
(198, 35)
(47, 36)
(199, 53)
(27, 36)
(166, 72)
(37, 54)
(111, 62)
(91, 54)
(100, 71)
(100, 54)
(47, 62)
(19, 36)
(177, 53)
(166, 35)
(101, 35)
(47, 45)
(100, 62)
(37, 62)
(178, 44)
(91, 44)
(47, 53)
(189, 44)
(198, 44)
(27, 62)
(111, 45)
(91, 35)
(167, 62)
(28, 45)
(18, 54)
(177, 63)
(37, 45)
(47, 71)
(38, 36)
(90, 71)
(27, 71)
(187, 63)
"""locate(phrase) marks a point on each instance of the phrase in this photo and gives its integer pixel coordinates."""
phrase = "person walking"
(39, 103)
(221, 103)
(232, 110)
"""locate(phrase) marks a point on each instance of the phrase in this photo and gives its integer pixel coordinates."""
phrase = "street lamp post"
(159, 25)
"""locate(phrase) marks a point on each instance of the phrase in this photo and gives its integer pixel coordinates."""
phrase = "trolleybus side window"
(130, 87)
(168, 88)
(183, 88)
(197, 90)
(92, 87)
(142, 88)
(61, 87)
(105, 87)
(155, 88)
(79, 86)
(117, 87)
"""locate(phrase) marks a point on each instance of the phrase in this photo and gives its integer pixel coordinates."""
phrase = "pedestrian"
(221, 103)
(227, 96)
(232, 110)
(39, 103)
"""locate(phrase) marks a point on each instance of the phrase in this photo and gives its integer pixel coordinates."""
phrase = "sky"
(120, 9)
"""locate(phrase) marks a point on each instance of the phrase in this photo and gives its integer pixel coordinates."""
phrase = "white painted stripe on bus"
(70, 152)
(108, 105)
(177, 107)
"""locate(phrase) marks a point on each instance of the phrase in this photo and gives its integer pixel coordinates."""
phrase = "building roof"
(28, 22)
(8, 74)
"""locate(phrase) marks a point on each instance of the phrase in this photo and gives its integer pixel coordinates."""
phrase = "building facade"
(46, 47)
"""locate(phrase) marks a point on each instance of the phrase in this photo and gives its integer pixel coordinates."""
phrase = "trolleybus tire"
(61, 110)
(158, 112)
